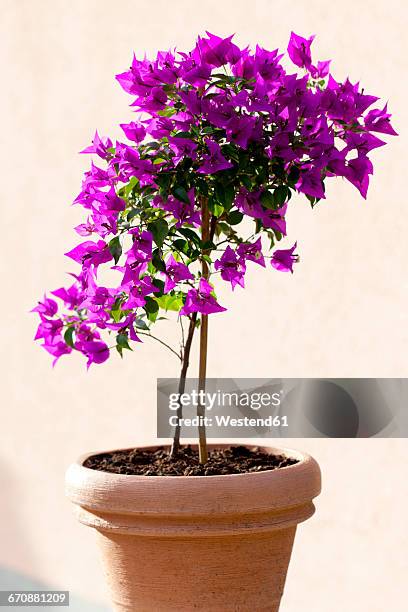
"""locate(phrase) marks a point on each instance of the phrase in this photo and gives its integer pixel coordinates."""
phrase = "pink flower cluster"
(222, 125)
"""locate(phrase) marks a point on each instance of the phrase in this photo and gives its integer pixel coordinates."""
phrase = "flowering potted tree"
(223, 139)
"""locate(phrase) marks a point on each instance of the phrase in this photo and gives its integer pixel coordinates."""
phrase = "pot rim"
(289, 452)
(249, 492)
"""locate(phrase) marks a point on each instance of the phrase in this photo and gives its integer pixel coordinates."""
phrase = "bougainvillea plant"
(222, 135)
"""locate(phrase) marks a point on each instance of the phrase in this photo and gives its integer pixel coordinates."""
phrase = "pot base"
(227, 574)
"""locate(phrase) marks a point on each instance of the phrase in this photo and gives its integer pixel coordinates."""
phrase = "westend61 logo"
(214, 401)
(285, 407)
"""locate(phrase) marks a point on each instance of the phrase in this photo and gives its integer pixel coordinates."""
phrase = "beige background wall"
(343, 313)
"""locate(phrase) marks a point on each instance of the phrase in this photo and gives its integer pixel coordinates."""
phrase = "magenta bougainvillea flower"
(251, 251)
(201, 300)
(232, 267)
(175, 272)
(99, 146)
(283, 259)
(95, 350)
(213, 161)
(219, 132)
(299, 50)
(134, 131)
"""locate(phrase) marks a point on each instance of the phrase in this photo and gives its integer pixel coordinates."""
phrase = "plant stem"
(202, 438)
(207, 233)
(161, 342)
(205, 237)
(182, 383)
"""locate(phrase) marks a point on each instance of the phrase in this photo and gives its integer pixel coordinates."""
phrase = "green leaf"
(151, 305)
(278, 168)
(152, 316)
(226, 78)
(132, 213)
(170, 302)
(229, 195)
(271, 237)
(225, 228)
(183, 135)
(159, 230)
(245, 161)
(215, 208)
(133, 182)
(230, 151)
(181, 245)
(262, 174)
(140, 324)
(153, 145)
(246, 181)
(181, 194)
(116, 315)
(167, 112)
(159, 284)
(235, 217)
(115, 248)
(208, 245)
(220, 83)
(280, 194)
(267, 199)
(219, 192)
(123, 342)
(293, 176)
(152, 308)
(69, 336)
(190, 235)
(157, 261)
(116, 312)
(163, 180)
(201, 185)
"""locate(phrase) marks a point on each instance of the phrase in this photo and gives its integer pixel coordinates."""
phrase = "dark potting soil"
(233, 460)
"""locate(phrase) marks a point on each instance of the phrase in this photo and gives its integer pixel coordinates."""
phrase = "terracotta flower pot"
(184, 543)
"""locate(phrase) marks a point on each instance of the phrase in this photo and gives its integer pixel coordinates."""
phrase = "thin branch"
(182, 334)
(161, 342)
(182, 384)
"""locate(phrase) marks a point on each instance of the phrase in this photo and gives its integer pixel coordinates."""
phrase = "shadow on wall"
(10, 580)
